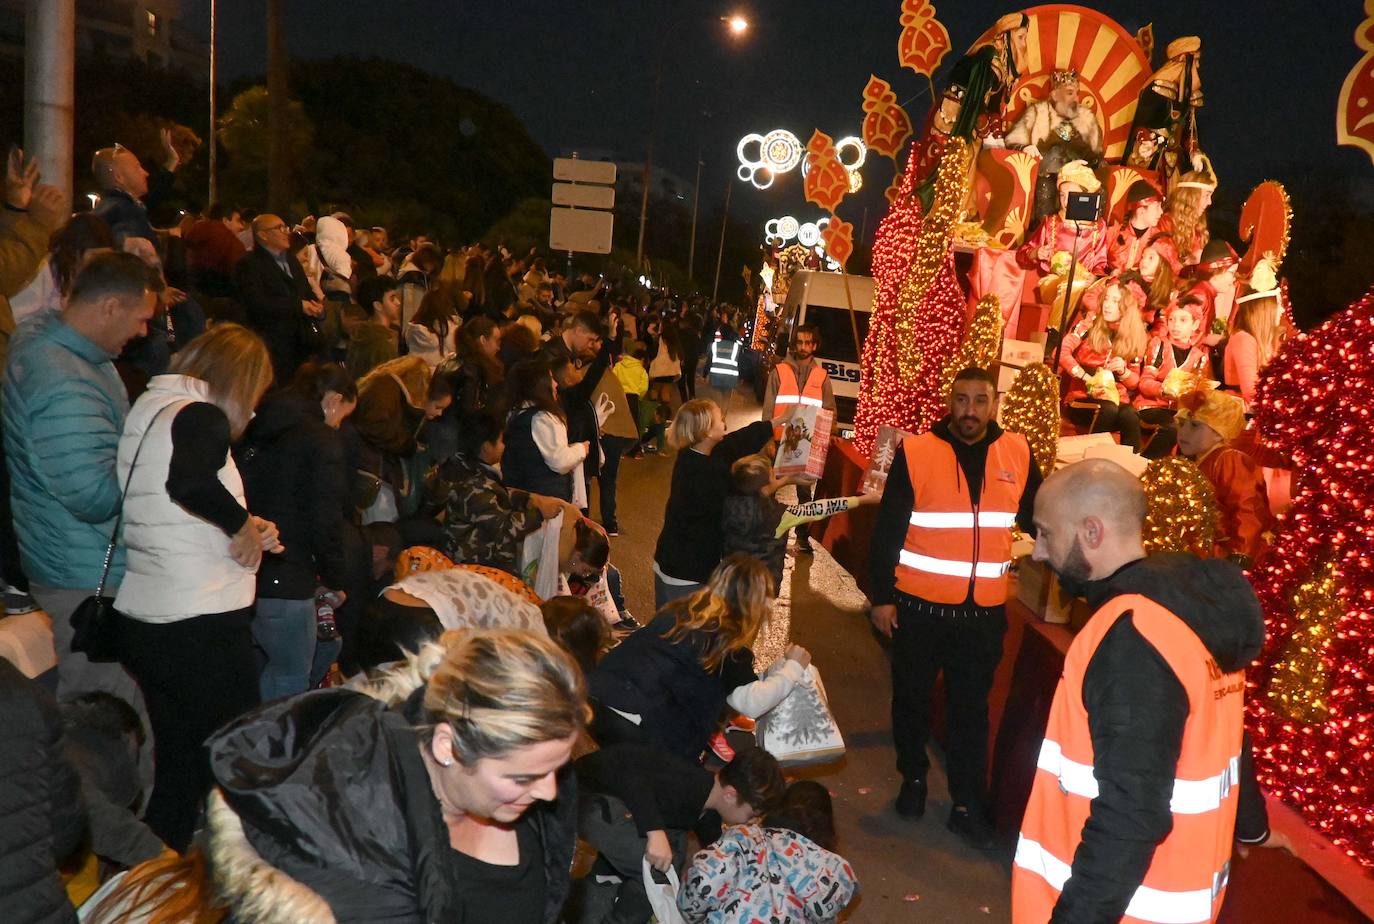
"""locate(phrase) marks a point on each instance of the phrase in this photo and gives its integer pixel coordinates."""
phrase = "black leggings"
(1117, 418)
(1164, 439)
(196, 674)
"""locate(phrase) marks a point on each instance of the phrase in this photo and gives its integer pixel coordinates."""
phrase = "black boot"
(972, 827)
(911, 800)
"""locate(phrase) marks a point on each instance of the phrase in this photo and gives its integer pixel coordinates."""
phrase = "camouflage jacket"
(484, 521)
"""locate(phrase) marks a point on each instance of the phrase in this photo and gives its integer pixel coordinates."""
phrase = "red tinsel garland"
(1312, 691)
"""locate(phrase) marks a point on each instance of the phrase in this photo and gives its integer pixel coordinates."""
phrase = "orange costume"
(1243, 514)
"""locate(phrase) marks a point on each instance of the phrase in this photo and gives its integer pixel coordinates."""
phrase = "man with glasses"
(277, 297)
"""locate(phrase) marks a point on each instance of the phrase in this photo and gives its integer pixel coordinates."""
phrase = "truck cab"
(819, 299)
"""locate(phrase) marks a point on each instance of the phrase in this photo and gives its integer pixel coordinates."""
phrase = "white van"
(819, 299)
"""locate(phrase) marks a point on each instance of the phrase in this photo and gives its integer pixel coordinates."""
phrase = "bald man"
(127, 190)
(1134, 801)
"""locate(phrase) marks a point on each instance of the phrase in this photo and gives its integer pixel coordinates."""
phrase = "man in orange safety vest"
(799, 380)
(1133, 806)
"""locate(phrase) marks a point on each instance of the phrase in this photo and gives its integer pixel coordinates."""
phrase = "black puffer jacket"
(330, 790)
(42, 817)
(294, 475)
(1137, 709)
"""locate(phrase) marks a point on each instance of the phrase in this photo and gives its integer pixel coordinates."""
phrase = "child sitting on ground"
(783, 872)
(756, 523)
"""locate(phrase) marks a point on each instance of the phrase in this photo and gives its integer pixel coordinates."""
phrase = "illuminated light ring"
(808, 235)
(857, 146)
(745, 142)
(788, 227)
(780, 151)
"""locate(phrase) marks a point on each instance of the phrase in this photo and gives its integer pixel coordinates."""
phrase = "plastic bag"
(663, 895)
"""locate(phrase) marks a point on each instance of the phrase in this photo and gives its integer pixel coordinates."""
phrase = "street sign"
(584, 197)
(573, 170)
(582, 230)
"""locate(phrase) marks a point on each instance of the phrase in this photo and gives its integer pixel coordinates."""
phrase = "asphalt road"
(908, 871)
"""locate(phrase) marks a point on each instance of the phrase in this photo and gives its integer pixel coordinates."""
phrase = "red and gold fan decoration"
(887, 127)
(838, 236)
(1112, 67)
(924, 41)
(1355, 110)
(827, 180)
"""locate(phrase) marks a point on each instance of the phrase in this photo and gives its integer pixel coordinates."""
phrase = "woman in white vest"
(193, 551)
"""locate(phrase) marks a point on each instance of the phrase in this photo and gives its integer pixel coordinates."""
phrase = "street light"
(737, 23)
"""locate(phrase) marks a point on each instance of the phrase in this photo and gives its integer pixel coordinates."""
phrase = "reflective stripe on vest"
(1147, 904)
(797, 399)
(962, 520)
(1190, 797)
(953, 567)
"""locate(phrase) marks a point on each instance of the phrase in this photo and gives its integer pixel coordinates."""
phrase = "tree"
(245, 133)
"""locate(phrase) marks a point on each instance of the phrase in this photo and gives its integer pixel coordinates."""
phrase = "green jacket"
(369, 345)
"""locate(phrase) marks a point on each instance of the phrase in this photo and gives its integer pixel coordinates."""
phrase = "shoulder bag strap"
(119, 517)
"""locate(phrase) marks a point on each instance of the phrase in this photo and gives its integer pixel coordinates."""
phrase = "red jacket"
(1059, 234)
(1077, 353)
(1159, 362)
(1243, 514)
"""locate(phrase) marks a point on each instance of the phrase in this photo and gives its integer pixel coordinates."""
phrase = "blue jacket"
(64, 408)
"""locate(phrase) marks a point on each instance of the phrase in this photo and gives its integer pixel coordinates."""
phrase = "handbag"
(95, 621)
(801, 729)
(663, 895)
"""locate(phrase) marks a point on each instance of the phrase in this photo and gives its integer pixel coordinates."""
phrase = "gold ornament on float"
(1181, 507)
(1031, 408)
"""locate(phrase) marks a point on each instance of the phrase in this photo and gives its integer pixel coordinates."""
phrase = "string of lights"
(1031, 408)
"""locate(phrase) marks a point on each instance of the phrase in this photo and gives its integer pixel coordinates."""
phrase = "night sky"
(581, 75)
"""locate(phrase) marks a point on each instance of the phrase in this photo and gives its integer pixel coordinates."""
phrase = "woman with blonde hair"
(692, 540)
(668, 683)
(434, 793)
(193, 550)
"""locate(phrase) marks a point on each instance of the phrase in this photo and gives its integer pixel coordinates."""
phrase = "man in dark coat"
(40, 801)
(277, 297)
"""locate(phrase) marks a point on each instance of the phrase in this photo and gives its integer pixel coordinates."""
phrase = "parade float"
(949, 289)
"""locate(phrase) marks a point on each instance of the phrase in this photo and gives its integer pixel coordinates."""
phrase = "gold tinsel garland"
(932, 246)
(1181, 507)
(1299, 681)
(1031, 407)
(982, 343)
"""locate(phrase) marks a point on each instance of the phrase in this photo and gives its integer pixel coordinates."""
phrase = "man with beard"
(799, 380)
(1057, 130)
(940, 554)
(1135, 796)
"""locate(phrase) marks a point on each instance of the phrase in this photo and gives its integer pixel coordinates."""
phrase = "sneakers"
(17, 602)
(972, 827)
(911, 800)
(625, 624)
(721, 748)
(804, 547)
(612, 528)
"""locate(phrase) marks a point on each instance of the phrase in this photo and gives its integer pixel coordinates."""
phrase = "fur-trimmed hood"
(324, 812)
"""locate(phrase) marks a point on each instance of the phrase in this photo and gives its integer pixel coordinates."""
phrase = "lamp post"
(737, 25)
(214, 188)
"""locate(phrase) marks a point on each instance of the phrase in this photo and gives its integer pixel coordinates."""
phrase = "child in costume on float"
(1171, 359)
(1208, 421)
(1129, 240)
(1103, 354)
(1049, 248)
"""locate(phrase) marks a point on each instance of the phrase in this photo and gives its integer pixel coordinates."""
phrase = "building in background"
(149, 30)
